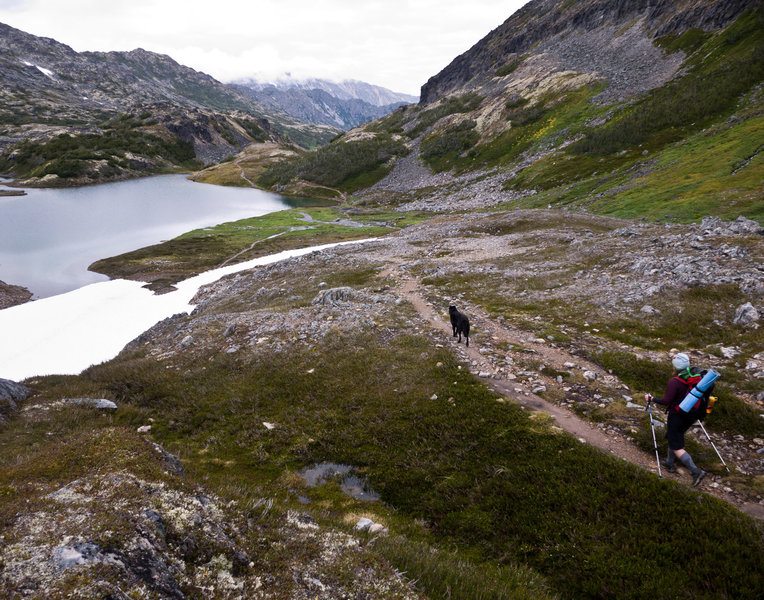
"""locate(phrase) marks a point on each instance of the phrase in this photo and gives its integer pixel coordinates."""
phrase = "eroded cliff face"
(541, 20)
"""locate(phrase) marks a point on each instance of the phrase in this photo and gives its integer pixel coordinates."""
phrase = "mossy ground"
(238, 241)
(470, 487)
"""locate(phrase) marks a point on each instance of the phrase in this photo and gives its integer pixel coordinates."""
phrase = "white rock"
(378, 528)
(364, 524)
(729, 351)
(590, 375)
(268, 425)
(101, 403)
(144, 429)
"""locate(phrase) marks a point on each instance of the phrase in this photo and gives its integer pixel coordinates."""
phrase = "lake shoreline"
(54, 235)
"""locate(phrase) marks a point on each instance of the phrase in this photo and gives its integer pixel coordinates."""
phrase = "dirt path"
(243, 175)
(613, 443)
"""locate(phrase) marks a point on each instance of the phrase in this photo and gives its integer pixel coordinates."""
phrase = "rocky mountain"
(48, 90)
(549, 21)
(646, 108)
(346, 104)
(347, 89)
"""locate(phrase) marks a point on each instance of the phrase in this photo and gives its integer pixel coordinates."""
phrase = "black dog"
(460, 324)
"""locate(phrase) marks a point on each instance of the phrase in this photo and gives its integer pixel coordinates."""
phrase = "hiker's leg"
(687, 460)
(675, 437)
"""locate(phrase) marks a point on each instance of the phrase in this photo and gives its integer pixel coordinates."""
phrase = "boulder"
(746, 314)
(335, 296)
(100, 403)
(11, 393)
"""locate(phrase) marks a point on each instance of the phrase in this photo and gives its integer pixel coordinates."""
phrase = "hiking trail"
(612, 442)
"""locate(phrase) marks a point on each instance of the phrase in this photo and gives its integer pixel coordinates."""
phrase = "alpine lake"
(51, 236)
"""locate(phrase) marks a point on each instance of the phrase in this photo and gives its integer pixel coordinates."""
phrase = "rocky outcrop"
(541, 20)
(11, 393)
(11, 295)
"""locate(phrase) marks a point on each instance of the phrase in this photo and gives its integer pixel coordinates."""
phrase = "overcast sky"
(397, 44)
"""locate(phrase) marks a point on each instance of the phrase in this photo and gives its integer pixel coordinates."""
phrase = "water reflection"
(352, 485)
(50, 236)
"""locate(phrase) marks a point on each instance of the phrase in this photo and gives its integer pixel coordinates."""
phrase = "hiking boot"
(698, 477)
(668, 466)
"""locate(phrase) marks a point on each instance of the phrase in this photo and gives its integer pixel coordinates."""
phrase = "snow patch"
(43, 70)
(66, 334)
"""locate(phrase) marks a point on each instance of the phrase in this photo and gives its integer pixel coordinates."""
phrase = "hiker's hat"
(680, 361)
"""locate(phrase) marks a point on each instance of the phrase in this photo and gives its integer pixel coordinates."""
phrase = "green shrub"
(455, 140)
(335, 164)
(510, 67)
(453, 105)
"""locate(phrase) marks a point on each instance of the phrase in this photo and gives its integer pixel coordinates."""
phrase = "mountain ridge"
(541, 19)
(344, 104)
(542, 121)
(125, 114)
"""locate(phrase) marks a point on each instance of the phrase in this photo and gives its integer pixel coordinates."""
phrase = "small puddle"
(352, 485)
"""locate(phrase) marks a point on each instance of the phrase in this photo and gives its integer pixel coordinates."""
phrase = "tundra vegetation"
(482, 499)
(472, 490)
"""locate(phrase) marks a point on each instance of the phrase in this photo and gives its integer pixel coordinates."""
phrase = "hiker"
(678, 420)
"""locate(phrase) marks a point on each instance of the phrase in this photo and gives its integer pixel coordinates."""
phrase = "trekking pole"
(714, 447)
(655, 443)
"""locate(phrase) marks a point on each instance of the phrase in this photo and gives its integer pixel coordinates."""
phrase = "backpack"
(702, 407)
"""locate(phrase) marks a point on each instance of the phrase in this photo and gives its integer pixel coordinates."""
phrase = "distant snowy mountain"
(344, 104)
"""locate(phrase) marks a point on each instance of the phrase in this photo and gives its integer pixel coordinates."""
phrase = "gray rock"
(66, 557)
(746, 314)
(364, 524)
(170, 462)
(186, 341)
(11, 393)
(101, 403)
(649, 310)
(335, 296)
(743, 226)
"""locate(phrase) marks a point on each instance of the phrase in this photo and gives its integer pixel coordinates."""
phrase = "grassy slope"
(470, 474)
(680, 152)
(203, 249)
